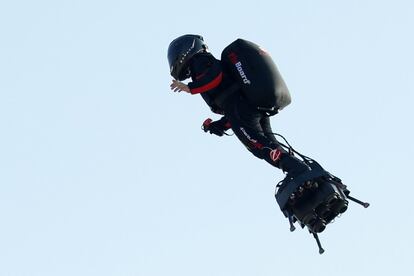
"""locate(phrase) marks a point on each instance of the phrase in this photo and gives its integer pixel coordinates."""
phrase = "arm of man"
(206, 74)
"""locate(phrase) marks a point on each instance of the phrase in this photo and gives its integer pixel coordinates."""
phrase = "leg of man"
(287, 163)
(267, 129)
(252, 127)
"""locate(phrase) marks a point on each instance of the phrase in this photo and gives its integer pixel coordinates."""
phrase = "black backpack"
(255, 72)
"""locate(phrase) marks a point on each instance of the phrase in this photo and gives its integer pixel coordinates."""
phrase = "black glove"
(216, 127)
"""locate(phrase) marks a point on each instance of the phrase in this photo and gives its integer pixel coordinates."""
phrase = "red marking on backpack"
(233, 57)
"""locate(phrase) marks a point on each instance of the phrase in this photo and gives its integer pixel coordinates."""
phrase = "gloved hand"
(216, 127)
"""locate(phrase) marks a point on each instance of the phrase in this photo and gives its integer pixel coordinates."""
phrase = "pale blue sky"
(104, 171)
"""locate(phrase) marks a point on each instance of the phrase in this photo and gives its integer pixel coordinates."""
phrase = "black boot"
(292, 165)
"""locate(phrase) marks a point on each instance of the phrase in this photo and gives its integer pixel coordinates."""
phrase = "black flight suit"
(249, 124)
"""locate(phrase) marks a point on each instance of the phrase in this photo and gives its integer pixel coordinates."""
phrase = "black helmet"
(180, 51)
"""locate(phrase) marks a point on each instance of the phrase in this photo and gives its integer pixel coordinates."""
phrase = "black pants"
(253, 129)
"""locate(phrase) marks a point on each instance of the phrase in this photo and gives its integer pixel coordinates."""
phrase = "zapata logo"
(275, 154)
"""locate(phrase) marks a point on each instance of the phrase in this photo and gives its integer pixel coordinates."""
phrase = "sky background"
(105, 171)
